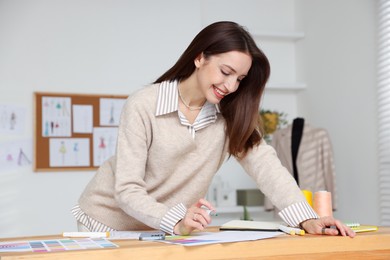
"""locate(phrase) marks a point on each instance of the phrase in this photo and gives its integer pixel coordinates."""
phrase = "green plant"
(271, 121)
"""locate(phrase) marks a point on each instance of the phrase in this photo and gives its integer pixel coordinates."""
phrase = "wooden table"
(369, 245)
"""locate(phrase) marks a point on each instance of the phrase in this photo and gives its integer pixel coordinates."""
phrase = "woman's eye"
(225, 73)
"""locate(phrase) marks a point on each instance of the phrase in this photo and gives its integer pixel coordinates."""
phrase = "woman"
(175, 134)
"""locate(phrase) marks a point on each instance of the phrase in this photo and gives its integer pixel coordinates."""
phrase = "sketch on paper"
(12, 119)
(82, 119)
(110, 111)
(104, 144)
(56, 116)
(67, 152)
(15, 154)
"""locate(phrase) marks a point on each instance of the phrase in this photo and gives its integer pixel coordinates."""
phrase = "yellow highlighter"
(291, 230)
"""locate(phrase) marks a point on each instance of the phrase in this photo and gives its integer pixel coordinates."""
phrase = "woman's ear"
(198, 60)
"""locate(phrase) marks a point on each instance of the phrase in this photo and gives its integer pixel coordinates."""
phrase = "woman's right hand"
(195, 218)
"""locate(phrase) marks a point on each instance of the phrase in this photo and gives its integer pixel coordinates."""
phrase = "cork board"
(74, 132)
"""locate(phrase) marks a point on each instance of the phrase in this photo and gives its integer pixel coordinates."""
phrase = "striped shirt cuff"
(173, 216)
(90, 223)
(296, 213)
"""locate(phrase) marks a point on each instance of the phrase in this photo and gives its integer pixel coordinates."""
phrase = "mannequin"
(296, 136)
(306, 152)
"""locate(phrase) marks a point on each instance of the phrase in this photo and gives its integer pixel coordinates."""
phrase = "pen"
(86, 234)
(158, 235)
(288, 230)
(299, 231)
(211, 212)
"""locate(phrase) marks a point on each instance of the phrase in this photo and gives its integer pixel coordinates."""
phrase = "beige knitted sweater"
(159, 165)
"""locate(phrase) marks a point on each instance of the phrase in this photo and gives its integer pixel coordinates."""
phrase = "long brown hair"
(241, 108)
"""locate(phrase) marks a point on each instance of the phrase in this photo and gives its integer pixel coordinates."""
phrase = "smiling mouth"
(219, 93)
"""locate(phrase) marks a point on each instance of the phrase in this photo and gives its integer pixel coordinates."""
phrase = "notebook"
(364, 228)
(247, 225)
(355, 226)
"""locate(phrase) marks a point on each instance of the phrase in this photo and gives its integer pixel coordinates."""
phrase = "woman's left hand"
(327, 226)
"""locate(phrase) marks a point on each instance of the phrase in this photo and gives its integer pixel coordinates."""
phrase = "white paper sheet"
(110, 111)
(12, 119)
(15, 154)
(66, 152)
(56, 116)
(82, 119)
(206, 238)
(104, 144)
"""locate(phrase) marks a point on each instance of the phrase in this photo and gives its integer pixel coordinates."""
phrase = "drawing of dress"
(10, 158)
(58, 106)
(112, 121)
(62, 151)
(12, 122)
(75, 151)
(46, 130)
(22, 158)
(102, 150)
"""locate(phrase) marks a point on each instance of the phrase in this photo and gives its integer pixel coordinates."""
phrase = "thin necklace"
(188, 106)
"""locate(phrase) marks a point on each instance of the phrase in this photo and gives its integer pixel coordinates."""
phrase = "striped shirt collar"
(167, 100)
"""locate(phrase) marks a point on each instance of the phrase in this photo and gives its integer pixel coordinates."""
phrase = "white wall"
(86, 46)
(98, 46)
(338, 63)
